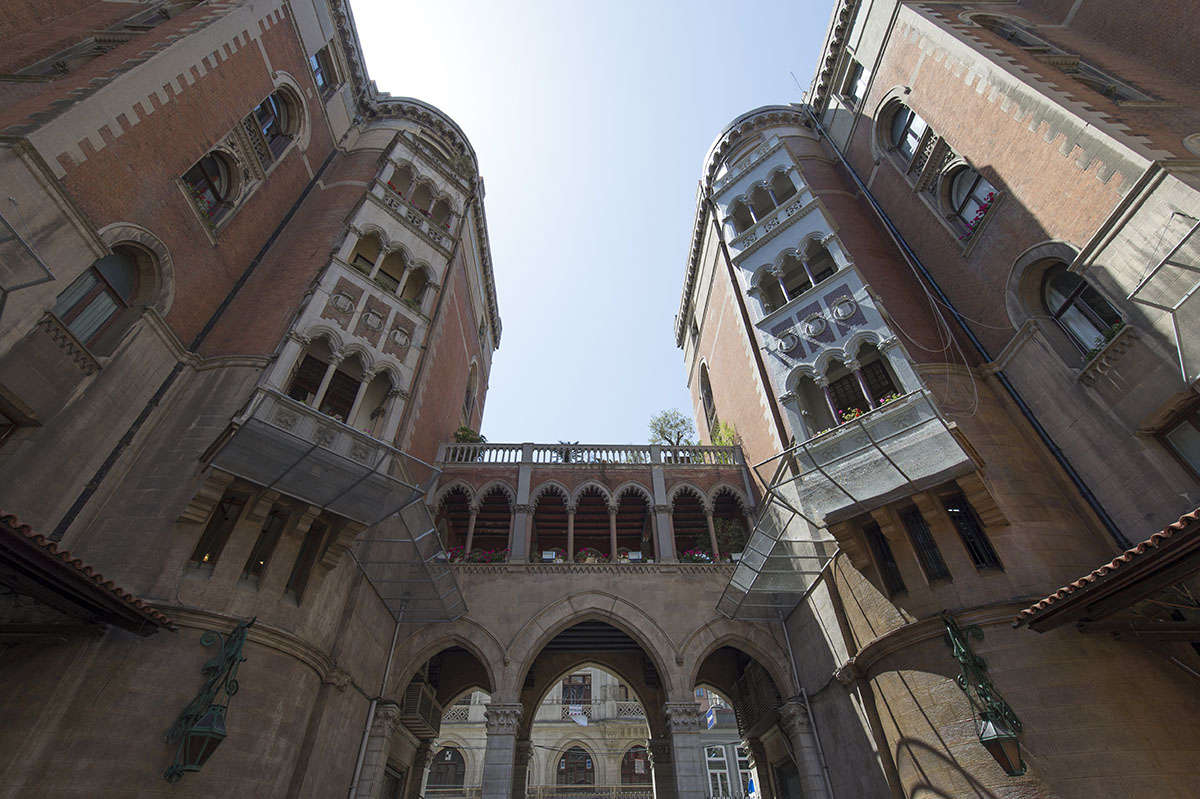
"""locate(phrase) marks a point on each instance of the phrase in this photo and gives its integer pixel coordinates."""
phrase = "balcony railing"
(589, 792)
(589, 454)
(628, 709)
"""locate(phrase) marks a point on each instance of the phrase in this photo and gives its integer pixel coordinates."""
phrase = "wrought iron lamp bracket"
(986, 701)
(200, 728)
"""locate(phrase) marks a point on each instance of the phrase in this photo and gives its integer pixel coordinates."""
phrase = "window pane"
(926, 548)
(74, 293)
(971, 532)
(1185, 439)
(91, 318)
(889, 571)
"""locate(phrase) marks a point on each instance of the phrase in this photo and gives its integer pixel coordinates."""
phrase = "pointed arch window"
(575, 768)
(706, 397)
(448, 770)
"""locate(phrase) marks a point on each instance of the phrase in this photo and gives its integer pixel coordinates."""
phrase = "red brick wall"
(134, 178)
(35, 30)
(1047, 195)
(435, 410)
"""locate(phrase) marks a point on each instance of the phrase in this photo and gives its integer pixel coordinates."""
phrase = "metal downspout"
(366, 737)
(1093, 502)
(787, 639)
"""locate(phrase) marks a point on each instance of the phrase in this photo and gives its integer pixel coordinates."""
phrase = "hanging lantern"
(1001, 743)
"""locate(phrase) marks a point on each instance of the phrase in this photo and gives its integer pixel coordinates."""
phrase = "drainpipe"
(787, 640)
(366, 736)
(1093, 502)
(93, 485)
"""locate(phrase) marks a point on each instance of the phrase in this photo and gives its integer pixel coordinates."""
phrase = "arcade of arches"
(567, 649)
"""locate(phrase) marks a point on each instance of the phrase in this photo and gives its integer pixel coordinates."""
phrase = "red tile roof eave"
(75, 569)
(1116, 568)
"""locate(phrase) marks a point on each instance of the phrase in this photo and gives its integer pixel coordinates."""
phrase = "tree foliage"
(673, 428)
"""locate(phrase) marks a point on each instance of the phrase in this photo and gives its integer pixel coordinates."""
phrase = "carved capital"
(526, 509)
(668, 509)
(847, 673)
(502, 719)
(758, 752)
(387, 718)
(522, 753)
(423, 758)
(660, 752)
(682, 716)
(337, 678)
(793, 718)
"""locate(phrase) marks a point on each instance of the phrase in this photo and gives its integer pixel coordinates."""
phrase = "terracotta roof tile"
(1126, 557)
(53, 550)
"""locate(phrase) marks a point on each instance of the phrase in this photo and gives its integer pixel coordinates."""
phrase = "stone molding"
(503, 719)
(266, 635)
(682, 716)
(205, 500)
(70, 345)
(928, 629)
(595, 568)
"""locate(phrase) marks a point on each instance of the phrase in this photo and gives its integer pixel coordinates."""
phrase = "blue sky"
(591, 121)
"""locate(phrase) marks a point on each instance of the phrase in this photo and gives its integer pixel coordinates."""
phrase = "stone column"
(500, 755)
(334, 360)
(289, 354)
(795, 723)
(367, 377)
(808, 270)
(824, 384)
(379, 256)
(518, 539)
(665, 516)
(662, 768)
(687, 753)
(379, 743)
(471, 528)
(712, 535)
(778, 275)
(762, 767)
(419, 772)
(570, 535)
(521, 756)
(612, 535)
(855, 367)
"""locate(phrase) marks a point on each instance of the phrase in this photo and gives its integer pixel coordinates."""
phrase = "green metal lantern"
(1001, 743)
(200, 728)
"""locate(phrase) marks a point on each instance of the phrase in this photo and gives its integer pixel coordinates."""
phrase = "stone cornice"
(267, 635)
(721, 569)
(919, 632)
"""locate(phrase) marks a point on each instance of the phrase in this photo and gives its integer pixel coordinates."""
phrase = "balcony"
(589, 792)
(894, 451)
(298, 451)
(890, 452)
(286, 446)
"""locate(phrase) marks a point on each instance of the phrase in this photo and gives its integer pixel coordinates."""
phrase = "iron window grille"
(264, 545)
(216, 532)
(885, 560)
(971, 531)
(928, 554)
